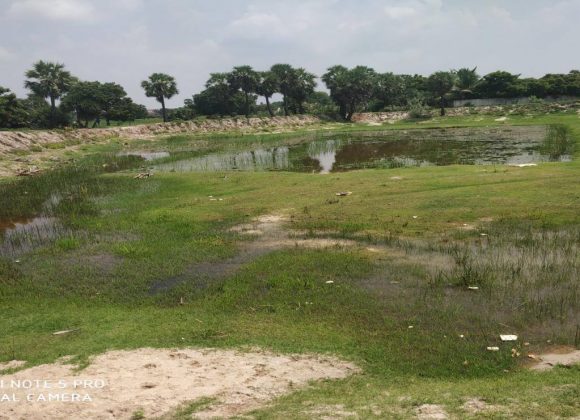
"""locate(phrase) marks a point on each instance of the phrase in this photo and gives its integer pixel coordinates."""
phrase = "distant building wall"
(508, 101)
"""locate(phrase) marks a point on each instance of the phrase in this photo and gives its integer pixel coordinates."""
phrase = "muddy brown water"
(411, 148)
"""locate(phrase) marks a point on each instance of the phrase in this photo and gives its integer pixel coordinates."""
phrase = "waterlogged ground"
(410, 277)
(393, 149)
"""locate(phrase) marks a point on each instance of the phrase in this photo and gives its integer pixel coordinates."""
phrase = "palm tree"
(160, 86)
(267, 86)
(283, 74)
(49, 80)
(245, 79)
(466, 80)
(440, 84)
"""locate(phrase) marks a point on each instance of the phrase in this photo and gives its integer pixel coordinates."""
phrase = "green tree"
(466, 80)
(114, 102)
(49, 80)
(390, 90)
(302, 84)
(245, 79)
(218, 98)
(84, 100)
(160, 86)
(499, 84)
(13, 112)
(440, 84)
(284, 74)
(267, 87)
(350, 89)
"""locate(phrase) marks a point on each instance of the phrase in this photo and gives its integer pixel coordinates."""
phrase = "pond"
(389, 149)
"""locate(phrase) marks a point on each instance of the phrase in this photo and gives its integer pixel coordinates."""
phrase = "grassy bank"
(397, 303)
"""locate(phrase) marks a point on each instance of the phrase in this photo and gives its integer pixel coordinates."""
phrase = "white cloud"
(399, 12)
(75, 10)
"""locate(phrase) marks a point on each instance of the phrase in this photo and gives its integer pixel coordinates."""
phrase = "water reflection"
(514, 145)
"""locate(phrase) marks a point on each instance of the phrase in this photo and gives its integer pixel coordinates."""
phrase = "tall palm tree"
(267, 86)
(160, 86)
(245, 79)
(49, 80)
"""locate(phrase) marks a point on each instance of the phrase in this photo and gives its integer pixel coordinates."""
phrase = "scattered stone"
(143, 175)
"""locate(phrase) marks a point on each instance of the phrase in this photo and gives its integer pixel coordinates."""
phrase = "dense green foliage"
(237, 92)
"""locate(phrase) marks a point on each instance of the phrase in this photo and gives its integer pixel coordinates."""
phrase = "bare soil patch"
(13, 364)
(158, 381)
(564, 356)
(431, 412)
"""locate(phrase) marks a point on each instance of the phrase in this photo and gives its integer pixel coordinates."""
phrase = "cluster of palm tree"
(237, 90)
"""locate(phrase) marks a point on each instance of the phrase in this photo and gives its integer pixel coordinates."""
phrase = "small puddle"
(413, 148)
(22, 235)
(145, 154)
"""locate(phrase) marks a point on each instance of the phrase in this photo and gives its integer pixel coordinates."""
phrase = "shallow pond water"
(341, 152)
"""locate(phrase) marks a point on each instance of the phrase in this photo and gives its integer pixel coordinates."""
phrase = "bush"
(418, 110)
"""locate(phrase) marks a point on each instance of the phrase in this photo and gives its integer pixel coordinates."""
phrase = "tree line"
(237, 92)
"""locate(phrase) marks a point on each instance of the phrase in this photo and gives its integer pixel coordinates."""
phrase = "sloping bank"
(23, 140)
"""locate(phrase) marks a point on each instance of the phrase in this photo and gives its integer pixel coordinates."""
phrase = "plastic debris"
(63, 332)
(411, 327)
(343, 193)
(473, 287)
(524, 165)
(493, 348)
(508, 337)
(329, 282)
(414, 217)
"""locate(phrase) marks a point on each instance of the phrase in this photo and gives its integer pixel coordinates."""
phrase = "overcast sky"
(126, 40)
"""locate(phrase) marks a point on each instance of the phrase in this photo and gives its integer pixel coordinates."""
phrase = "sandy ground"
(118, 384)
(565, 356)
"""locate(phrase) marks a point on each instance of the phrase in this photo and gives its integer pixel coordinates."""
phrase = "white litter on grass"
(508, 337)
(493, 348)
(500, 119)
(524, 165)
(414, 217)
(473, 287)
(329, 282)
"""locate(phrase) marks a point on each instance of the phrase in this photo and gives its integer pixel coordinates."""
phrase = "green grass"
(123, 235)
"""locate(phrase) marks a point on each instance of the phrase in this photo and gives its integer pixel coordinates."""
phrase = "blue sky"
(126, 40)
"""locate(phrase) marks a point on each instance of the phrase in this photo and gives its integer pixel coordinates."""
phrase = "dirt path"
(156, 382)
